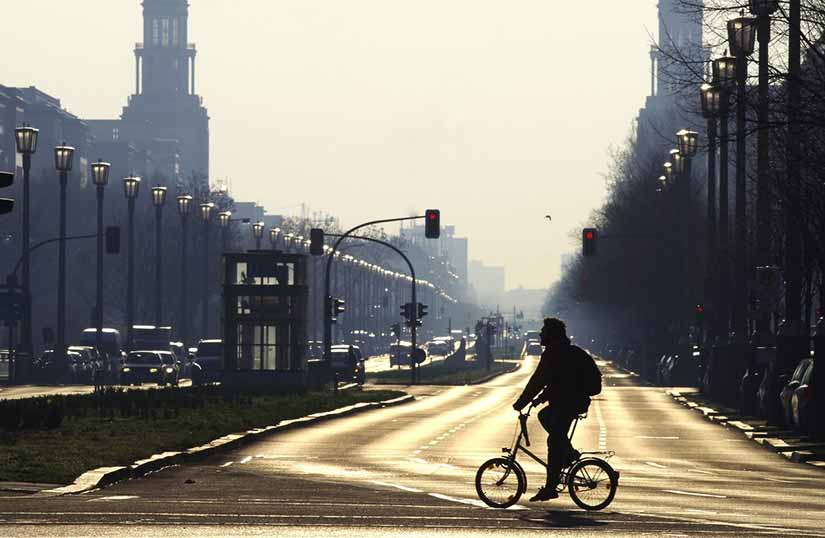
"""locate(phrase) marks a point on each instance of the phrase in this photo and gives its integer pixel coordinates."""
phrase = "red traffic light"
(432, 224)
(700, 309)
(589, 241)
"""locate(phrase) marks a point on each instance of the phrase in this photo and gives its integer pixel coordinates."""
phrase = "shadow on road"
(564, 519)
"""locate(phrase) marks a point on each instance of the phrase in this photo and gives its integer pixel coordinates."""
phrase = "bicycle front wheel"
(592, 484)
(500, 483)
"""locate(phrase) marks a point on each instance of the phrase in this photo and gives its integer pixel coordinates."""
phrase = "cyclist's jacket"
(561, 374)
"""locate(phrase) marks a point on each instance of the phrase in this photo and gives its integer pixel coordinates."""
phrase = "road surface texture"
(409, 470)
(30, 391)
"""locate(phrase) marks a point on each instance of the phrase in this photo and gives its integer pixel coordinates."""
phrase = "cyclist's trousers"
(557, 421)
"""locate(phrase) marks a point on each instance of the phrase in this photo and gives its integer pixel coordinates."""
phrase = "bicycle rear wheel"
(592, 484)
(500, 483)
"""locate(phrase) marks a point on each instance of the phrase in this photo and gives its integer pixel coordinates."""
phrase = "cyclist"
(566, 377)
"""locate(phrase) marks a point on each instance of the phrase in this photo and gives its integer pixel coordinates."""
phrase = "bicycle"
(590, 480)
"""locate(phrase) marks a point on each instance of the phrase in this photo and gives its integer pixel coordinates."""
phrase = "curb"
(793, 446)
(106, 476)
(516, 366)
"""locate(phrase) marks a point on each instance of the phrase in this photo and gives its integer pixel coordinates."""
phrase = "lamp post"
(258, 233)
(158, 200)
(274, 233)
(26, 141)
(131, 188)
(224, 220)
(63, 157)
(724, 78)
(712, 99)
(687, 142)
(206, 216)
(741, 36)
(184, 209)
(100, 177)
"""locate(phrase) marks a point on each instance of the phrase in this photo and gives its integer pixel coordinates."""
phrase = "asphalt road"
(408, 471)
(29, 391)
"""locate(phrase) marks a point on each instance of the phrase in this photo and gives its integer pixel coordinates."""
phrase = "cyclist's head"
(554, 330)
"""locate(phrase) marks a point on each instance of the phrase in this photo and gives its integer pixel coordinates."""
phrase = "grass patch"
(442, 373)
(99, 439)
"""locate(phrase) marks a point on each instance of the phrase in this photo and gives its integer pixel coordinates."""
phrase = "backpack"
(590, 378)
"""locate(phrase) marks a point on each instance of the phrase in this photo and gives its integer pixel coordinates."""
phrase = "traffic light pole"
(328, 313)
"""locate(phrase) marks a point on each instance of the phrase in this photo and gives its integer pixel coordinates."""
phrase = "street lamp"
(158, 200)
(274, 233)
(258, 233)
(206, 215)
(763, 10)
(677, 161)
(724, 71)
(224, 220)
(26, 140)
(668, 168)
(184, 210)
(741, 35)
(63, 158)
(100, 177)
(714, 102)
(131, 188)
(688, 143)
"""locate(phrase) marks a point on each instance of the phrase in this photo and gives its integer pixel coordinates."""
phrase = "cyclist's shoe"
(545, 494)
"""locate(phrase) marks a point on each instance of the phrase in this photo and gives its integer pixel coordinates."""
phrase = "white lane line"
(433, 442)
(472, 502)
(247, 459)
(694, 494)
(654, 464)
(602, 426)
(664, 437)
(779, 480)
(397, 486)
(115, 498)
(227, 464)
(702, 471)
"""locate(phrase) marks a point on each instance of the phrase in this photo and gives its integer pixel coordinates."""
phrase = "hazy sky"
(496, 112)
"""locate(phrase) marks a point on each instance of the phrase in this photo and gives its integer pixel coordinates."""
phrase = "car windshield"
(210, 349)
(167, 358)
(143, 358)
(341, 357)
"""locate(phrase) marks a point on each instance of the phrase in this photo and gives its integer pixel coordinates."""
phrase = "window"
(155, 32)
(164, 34)
(115, 134)
(175, 38)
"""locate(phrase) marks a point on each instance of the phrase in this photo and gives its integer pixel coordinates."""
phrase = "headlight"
(357, 370)
(126, 370)
(169, 370)
(153, 370)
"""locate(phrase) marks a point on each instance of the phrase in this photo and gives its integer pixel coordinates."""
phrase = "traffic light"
(432, 224)
(422, 310)
(589, 236)
(316, 242)
(409, 323)
(6, 204)
(112, 239)
(700, 314)
(396, 330)
(335, 306)
(407, 311)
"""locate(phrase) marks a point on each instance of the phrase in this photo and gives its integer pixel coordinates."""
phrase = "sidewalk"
(787, 443)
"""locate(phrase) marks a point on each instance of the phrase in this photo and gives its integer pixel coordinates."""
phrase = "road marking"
(227, 464)
(654, 464)
(693, 494)
(602, 426)
(472, 502)
(397, 486)
(115, 498)
(247, 459)
(663, 437)
(702, 471)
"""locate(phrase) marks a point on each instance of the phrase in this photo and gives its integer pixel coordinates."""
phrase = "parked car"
(49, 369)
(171, 368)
(400, 354)
(142, 367)
(347, 364)
(790, 387)
(439, 347)
(110, 346)
(183, 359)
(91, 362)
(801, 401)
(208, 364)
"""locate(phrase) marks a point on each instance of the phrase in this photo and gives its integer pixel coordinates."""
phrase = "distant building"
(164, 129)
(453, 249)
(488, 282)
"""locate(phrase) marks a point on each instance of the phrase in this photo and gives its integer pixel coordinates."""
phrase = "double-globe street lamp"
(63, 158)
(26, 141)
(184, 210)
(131, 188)
(224, 221)
(100, 178)
(158, 200)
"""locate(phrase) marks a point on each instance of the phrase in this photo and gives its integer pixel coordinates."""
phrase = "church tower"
(165, 97)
